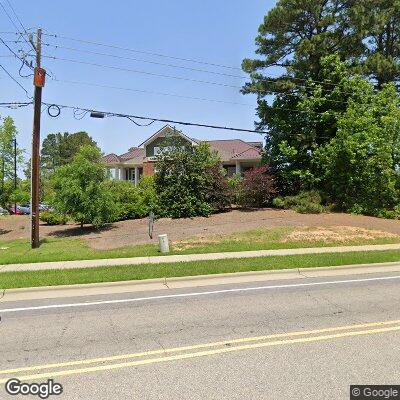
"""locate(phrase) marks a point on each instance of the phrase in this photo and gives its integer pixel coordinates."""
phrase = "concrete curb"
(92, 289)
(192, 257)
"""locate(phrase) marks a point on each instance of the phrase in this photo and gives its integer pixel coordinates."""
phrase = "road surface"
(289, 339)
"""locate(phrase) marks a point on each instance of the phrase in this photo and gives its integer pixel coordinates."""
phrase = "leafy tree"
(359, 168)
(258, 187)
(59, 149)
(133, 201)
(183, 179)
(80, 191)
(8, 133)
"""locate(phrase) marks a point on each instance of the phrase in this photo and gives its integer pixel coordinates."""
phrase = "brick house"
(236, 155)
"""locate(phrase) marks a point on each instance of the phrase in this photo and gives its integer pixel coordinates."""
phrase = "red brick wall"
(148, 168)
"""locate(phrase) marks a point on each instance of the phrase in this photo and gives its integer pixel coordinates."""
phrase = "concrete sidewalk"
(110, 262)
(166, 284)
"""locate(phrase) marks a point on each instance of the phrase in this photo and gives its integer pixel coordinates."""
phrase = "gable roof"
(235, 149)
(228, 150)
(111, 158)
(167, 129)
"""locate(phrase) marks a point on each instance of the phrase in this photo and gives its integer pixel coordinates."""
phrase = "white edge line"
(193, 294)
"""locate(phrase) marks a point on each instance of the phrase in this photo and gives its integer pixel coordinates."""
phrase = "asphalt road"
(289, 339)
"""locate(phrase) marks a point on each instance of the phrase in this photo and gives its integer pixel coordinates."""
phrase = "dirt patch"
(336, 234)
(128, 233)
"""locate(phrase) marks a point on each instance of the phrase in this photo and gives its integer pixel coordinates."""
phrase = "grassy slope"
(126, 273)
(64, 249)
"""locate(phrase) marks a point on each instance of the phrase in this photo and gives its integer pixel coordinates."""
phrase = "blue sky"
(219, 32)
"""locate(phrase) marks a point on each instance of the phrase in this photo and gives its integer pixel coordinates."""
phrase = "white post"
(164, 244)
(121, 174)
(136, 175)
(238, 167)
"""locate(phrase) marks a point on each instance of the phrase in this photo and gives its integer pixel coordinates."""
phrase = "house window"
(164, 149)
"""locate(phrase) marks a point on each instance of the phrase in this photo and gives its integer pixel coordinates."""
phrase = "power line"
(133, 117)
(26, 92)
(9, 16)
(15, 54)
(141, 72)
(307, 81)
(148, 92)
(144, 61)
(161, 55)
(16, 16)
(164, 75)
(142, 52)
(13, 23)
(15, 104)
(101, 114)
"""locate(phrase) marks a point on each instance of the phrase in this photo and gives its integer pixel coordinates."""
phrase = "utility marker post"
(38, 81)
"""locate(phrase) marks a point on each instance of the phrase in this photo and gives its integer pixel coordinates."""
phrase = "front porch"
(127, 173)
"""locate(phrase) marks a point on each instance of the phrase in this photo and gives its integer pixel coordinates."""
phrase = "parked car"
(45, 207)
(3, 211)
(16, 210)
(26, 209)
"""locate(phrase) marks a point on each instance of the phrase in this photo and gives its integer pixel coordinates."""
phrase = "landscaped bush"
(304, 202)
(133, 201)
(53, 218)
(219, 193)
(258, 188)
(235, 185)
(187, 181)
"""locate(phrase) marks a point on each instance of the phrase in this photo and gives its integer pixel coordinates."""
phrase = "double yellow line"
(188, 352)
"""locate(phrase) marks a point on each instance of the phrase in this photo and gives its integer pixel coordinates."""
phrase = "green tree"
(377, 24)
(184, 181)
(60, 148)
(80, 190)
(297, 35)
(8, 133)
(359, 169)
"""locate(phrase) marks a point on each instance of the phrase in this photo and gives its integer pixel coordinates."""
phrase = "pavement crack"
(301, 274)
(165, 283)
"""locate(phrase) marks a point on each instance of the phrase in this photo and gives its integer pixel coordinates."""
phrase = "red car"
(16, 210)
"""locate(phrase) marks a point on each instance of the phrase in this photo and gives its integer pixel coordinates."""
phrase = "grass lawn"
(66, 249)
(138, 272)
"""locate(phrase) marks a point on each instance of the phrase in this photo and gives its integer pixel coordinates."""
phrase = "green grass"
(69, 249)
(139, 272)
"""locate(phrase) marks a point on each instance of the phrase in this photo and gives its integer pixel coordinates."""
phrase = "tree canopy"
(331, 111)
(60, 148)
(80, 191)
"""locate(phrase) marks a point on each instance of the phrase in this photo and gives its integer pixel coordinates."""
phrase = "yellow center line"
(53, 374)
(194, 347)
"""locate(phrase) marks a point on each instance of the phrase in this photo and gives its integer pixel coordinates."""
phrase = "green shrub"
(132, 201)
(53, 218)
(235, 184)
(304, 202)
(185, 180)
(278, 202)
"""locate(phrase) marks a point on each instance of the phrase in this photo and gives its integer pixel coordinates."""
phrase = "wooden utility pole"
(38, 81)
(15, 170)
